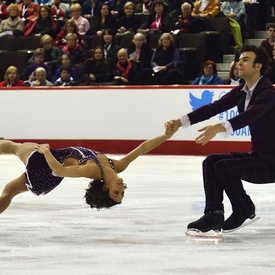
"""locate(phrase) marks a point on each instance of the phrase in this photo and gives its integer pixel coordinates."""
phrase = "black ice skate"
(237, 220)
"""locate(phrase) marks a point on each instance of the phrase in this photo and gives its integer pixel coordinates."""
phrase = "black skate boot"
(236, 220)
(211, 220)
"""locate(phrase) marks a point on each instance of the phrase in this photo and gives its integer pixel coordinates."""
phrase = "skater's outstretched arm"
(147, 146)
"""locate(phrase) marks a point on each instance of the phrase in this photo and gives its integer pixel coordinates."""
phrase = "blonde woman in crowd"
(12, 78)
(81, 22)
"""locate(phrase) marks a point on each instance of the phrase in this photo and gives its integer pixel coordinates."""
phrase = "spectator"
(12, 78)
(208, 74)
(29, 74)
(43, 25)
(186, 23)
(116, 7)
(127, 72)
(90, 9)
(140, 52)
(28, 10)
(159, 20)
(66, 62)
(204, 8)
(65, 78)
(234, 74)
(13, 25)
(164, 62)
(235, 11)
(3, 10)
(77, 54)
(40, 78)
(104, 20)
(110, 47)
(270, 41)
(82, 23)
(97, 68)
(60, 12)
(128, 23)
(145, 7)
(69, 27)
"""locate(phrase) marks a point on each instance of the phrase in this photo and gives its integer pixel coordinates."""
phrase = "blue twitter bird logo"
(206, 98)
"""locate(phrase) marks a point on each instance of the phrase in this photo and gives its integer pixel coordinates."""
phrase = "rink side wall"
(113, 119)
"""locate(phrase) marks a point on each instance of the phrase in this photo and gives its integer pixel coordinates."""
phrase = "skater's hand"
(208, 133)
(42, 148)
(171, 127)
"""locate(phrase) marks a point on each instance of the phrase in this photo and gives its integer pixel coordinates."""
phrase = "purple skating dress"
(41, 179)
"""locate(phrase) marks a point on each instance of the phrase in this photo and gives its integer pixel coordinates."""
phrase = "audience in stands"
(90, 9)
(235, 11)
(40, 78)
(186, 23)
(144, 7)
(140, 52)
(104, 20)
(81, 22)
(4, 14)
(53, 20)
(203, 8)
(13, 25)
(164, 62)
(12, 78)
(44, 24)
(60, 12)
(66, 62)
(129, 22)
(234, 74)
(69, 27)
(28, 10)
(65, 78)
(127, 72)
(77, 54)
(30, 72)
(208, 74)
(157, 21)
(270, 41)
(97, 68)
(110, 47)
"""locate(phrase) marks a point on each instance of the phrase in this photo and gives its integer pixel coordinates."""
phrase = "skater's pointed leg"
(12, 189)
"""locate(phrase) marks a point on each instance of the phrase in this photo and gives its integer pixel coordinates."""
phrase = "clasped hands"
(42, 148)
(208, 132)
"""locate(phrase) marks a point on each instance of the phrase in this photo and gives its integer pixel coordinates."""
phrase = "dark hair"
(96, 197)
(261, 56)
(271, 25)
(66, 68)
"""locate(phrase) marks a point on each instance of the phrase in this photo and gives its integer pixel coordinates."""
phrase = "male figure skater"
(255, 100)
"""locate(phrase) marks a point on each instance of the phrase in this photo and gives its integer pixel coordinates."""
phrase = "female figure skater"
(46, 168)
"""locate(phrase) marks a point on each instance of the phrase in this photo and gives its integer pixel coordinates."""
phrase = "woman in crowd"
(234, 74)
(127, 72)
(164, 62)
(43, 25)
(13, 25)
(208, 74)
(12, 78)
(97, 68)
(81, 22)
(140, 52)
(69, 27)
(40, 78)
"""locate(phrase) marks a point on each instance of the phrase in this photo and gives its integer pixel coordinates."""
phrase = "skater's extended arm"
(209, 132)
(147, 146)
(74, 171)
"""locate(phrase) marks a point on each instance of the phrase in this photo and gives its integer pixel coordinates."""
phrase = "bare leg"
(22, 150)
(12, 189)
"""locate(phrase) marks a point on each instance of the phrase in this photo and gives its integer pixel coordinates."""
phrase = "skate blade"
(195, 233)
(247, 222)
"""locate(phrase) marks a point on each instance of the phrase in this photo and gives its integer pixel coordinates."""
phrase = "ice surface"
(60, 234)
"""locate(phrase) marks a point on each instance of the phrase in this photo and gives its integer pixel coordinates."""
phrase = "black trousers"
(225, 172)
